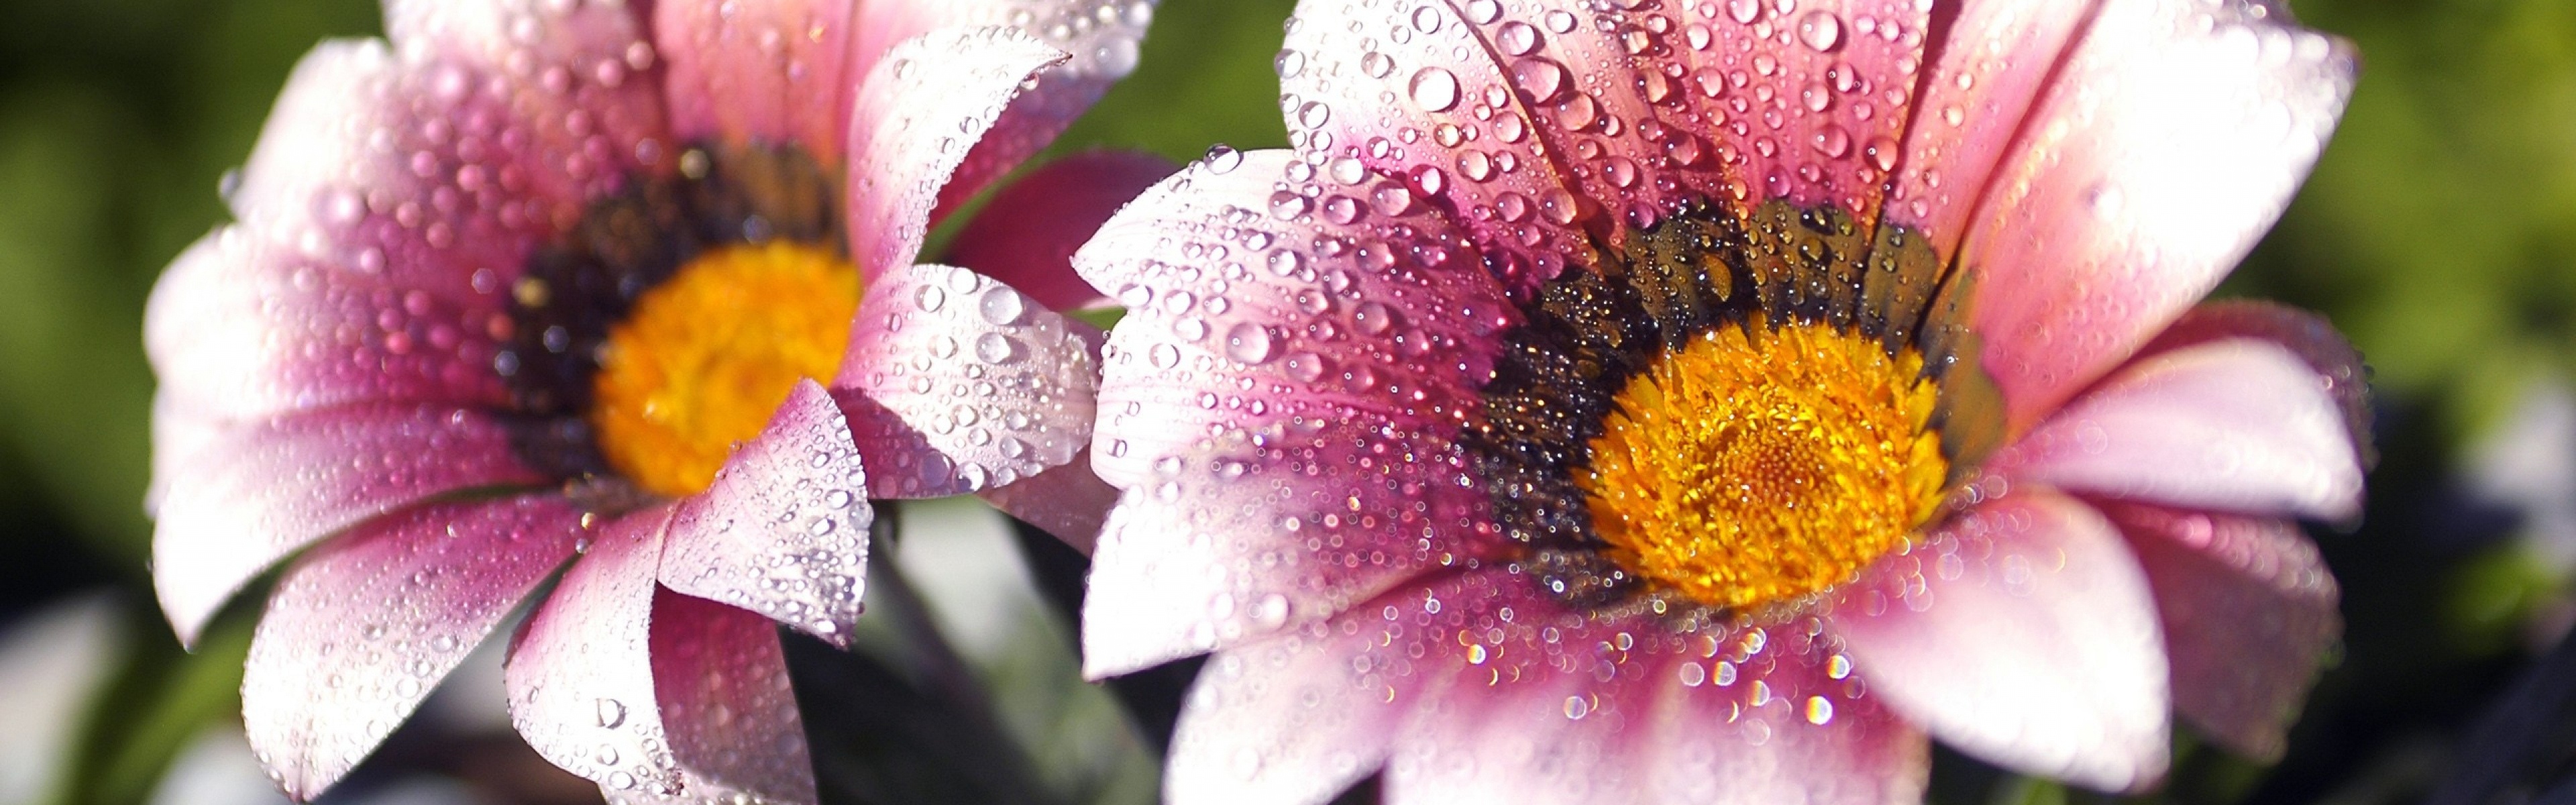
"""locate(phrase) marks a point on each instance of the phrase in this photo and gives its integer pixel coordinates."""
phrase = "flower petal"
(954, 383)
(2022, 632)
(1259, 533)
(1352, 90)
(721, 683)
(2304, 334)
(360, 631)
(1292, 720)
(260, 492)
(783, 530)
(917, 113)
(2237, 424)
(1987, 74)
(758, 71)
(1281, 403)
(393, 198)
(1535, 703)
(1026, 236)
(580, 673)
(1101, 37)
(2171, 140)
(1294, 317)
(2249, 612)
(1070, 502)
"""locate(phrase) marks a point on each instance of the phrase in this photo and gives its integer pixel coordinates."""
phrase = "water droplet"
(1820, 30)
(1435, 89)
(612, 714)
(1001, 306)
(1250, 343)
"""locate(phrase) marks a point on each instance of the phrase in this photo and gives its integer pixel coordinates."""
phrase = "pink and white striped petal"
(1407, 90)
(258, 493)
(2237, 425)
(2172, 138)
(918, 112)
(1986, 76)
(361, 630)
(1070, 502)
(771, 72)
(954, 383)
(580, 673)
(1026, 236)
(2021, 631)
(1101, 38)
(721, 683)
(1241, 318)
(783, 530)
(2249, 612)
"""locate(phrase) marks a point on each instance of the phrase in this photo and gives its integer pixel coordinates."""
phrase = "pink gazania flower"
(546, 280)
(1705, 400)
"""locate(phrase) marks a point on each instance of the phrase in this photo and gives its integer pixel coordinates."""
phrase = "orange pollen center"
(705, 358)
(1749, 469)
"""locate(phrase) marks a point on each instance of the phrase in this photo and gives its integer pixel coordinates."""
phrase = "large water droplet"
(1435, 89)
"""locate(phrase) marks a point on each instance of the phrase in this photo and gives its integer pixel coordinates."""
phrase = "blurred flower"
(1703, 401)
(528, 281)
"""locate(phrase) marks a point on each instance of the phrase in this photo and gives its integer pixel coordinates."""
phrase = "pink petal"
(1070, 502)
(1281, 421)
(917, 113)
(2173, 137)
(2022, 632)
(1027, 234)
(954, 383)
(2239, 425)
(2304, 334)
(1352, 91)
(758, 71)
(2249, 611)
(359, 631)
(721, 683)
(580, 672)
(1988, 72)
(1293, 719)
(392, 201)
(1529, 702)
(180, 430)
(1249, 537)
(1386, 319)
(1100, 36)
(260, 492)
(783, 530)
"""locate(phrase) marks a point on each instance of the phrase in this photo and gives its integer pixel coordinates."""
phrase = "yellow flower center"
(1748, 469)
(706, 357)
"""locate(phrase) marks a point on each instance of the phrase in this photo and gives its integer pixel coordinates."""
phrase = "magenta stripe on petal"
(260, 492)
(759, 71)
(917, 114)
(2022, 632)
(1101, 37)
(954, 383)
(580, 673)
(1026, 236)
(1385, 318)
(2249, 612)
(2172, 139)
(1337, 71)
(361, 630)
(783, 530)
(2239, 424)
(721, 682)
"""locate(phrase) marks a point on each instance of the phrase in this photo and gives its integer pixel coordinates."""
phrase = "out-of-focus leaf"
(156, 703)
(1205, 77)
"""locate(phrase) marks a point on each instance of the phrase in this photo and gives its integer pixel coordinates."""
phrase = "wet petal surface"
(580, 673)
(918, 113)
(783, 531)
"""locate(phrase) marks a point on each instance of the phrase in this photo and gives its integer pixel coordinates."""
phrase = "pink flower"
(1703, 400)
(546, 279)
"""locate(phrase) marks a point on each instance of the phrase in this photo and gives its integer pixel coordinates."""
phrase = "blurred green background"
(2439, 232)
